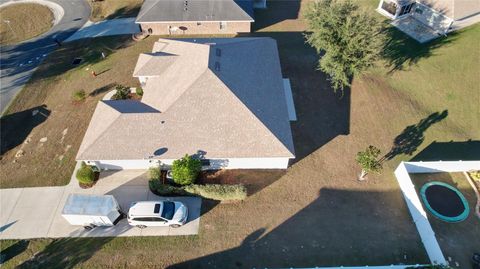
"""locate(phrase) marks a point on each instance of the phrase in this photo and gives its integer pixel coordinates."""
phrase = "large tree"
(348, 38)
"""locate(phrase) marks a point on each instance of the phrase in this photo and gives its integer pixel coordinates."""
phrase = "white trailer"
(92, 210)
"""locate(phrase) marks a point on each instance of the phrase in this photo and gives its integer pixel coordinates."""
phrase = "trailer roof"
(93, 205)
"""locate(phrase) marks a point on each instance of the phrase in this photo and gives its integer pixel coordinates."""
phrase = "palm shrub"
(121, 93)
(367, 159)
(185, 170)
(85, 174)
(79, 95)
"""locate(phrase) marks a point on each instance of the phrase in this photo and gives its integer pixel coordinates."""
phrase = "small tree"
(349, 38)
(139, 91)
(368, 161)
(185, 170)
(121, 93)
(85, 174)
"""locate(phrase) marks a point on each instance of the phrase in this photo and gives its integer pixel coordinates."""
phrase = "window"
(142, 219)
(389, 7)
(223, 25)
(156, 209)
(406, 9)
(205, 162)
(168, 210)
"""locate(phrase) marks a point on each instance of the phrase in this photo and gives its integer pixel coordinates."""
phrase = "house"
(193, 17)
(425, 20)
(222, 100)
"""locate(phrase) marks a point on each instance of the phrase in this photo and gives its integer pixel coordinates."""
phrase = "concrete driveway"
(36, 212)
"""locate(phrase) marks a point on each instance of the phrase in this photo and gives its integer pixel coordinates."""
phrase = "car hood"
(180, 212)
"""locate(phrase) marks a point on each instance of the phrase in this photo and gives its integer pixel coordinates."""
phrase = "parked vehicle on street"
(91, 211)
(157, 213)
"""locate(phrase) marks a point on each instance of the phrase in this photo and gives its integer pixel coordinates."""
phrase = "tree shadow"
(413, 136)
(13, 250)
(66, 252)
(102, 90)
(339, 228)
(17, 126)
(276, 11)
(401, 51)
(450, 151)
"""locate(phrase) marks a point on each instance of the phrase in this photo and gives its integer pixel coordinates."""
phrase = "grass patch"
(23, 21)
(114, 9)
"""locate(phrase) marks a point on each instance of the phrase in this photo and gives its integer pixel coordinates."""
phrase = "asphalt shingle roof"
(224, 97)
(195, 10)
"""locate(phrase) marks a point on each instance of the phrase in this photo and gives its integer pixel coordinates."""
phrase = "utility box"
(91, 210)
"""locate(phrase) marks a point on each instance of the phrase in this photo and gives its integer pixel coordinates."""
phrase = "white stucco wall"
(442, 166)
(232, 163)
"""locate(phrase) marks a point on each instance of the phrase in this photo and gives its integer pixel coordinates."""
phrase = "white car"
(157, 213)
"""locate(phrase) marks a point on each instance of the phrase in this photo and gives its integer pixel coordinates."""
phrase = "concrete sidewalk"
(36, 212)
(106, 28)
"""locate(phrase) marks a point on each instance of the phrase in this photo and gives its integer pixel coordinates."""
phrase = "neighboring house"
(173, 17)
(223, 100)
(425, 20)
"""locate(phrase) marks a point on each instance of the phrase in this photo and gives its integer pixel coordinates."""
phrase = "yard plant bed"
(23, 21)
(219, 192)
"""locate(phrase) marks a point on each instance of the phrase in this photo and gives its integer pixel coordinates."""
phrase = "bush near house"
(85, 175)
(154, 173)
(185, 170)
(208, 191)
(139, 91)
(122, 93)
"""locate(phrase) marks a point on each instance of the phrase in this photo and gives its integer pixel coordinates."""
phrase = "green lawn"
(317, 214)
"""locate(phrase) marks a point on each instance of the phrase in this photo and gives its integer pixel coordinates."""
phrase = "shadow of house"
(450, 151)
(401, 51)
(322, 114)
(413, 136)
(17, 126)
(331, 231)
(276, 11)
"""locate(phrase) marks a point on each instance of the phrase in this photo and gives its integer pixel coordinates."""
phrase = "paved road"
(36, 212)
(18, 62)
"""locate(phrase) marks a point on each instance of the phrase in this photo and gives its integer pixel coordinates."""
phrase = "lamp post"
(8, 23)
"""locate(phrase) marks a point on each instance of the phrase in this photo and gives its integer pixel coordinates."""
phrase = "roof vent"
(218, 52)
(217, 66)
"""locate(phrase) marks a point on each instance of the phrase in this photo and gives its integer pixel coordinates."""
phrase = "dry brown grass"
(111, 9)
(316, 214)
(26, 21)
(50, 93)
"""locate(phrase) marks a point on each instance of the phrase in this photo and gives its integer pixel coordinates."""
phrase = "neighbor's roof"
(223, 96)
(454, 9)
(195, 10)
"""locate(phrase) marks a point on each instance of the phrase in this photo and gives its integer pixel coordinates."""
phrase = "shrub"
(158, 188)
(475, 175)
(121, 93)
(208, 191)
(79, 95)
(154, 173)
(85, 174)
(139, 91)
(186, 170)
(218, 192)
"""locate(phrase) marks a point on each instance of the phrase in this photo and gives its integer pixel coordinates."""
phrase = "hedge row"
(207, 191)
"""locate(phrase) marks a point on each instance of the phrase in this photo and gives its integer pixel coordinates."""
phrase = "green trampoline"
(444, 201)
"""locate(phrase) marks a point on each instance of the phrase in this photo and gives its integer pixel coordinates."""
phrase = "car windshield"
(168, 210)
